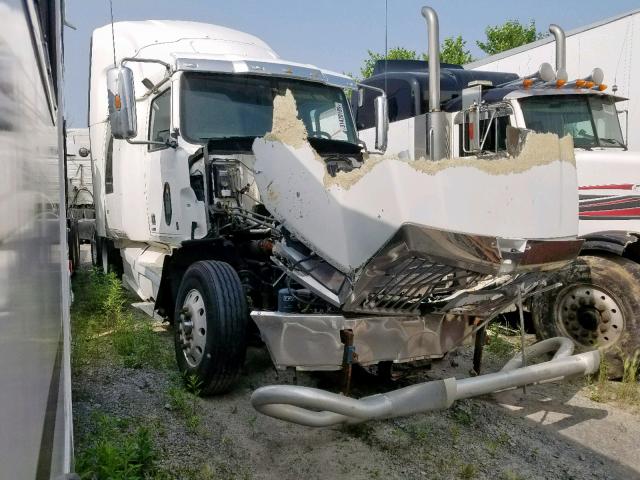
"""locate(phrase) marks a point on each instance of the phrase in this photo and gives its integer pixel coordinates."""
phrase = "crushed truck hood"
(346, 219)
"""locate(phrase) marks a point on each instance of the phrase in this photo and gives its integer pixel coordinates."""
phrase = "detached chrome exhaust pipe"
(436, 120)
(561, 50)
(318, 408)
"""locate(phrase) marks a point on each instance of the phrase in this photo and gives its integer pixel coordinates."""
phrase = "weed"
(629, 391)
(420, 431)
(497, 344)
(113, 450)
(468, 471)
(105, 329)
(461, 416)
(193, 422)
(510, 475)
(252, 420)
(455, 434)
(184, 400)
(494, 444)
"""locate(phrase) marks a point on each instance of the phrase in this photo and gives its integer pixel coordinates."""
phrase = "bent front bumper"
(312, 342)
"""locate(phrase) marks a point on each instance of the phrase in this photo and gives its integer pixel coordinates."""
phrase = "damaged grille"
(413, 281)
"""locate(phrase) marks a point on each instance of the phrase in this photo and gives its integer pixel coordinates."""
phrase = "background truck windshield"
(215, 106)
(591, 120)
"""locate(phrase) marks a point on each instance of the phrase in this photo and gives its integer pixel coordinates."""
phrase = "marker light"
(580, 83)
(527, 82)
(117, 102)
(589, 84)
(560, 83)
(602, 87)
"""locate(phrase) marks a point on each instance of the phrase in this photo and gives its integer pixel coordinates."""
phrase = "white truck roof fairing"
(191, 46)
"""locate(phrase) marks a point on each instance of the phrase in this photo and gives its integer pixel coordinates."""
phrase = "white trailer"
(612, 44)
(231, 188)
(35, 378)
(600, 298)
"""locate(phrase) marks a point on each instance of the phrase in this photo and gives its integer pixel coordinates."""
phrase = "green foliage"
(497, 343)
(115, 451)
(104, 328)
(183, 399)
(468, 471)
(510, 34)
(396, 53)
(453, 51)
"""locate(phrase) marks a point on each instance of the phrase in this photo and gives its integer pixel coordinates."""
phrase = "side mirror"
(122, 103)
(380, 105)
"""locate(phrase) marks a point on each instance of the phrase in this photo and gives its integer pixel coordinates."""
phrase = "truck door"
(162, 185)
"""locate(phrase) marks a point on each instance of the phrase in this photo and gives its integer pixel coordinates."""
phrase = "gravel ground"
(554, 432)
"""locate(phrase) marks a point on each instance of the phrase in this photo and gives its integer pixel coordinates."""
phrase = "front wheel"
(211, 325)
(598, 305)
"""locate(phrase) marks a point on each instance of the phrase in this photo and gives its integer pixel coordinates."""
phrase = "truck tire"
(211, 318)
(598, 305)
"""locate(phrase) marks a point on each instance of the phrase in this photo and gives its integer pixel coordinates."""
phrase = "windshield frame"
(273, 80)
(587, 100)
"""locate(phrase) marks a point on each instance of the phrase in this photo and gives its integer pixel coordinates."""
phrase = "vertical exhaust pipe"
(433, 30)
(437, 130)
(561, 49)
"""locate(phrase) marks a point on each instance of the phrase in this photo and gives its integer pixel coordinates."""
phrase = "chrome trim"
(421, 266)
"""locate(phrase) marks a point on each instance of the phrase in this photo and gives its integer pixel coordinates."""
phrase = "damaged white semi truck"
(232, 189)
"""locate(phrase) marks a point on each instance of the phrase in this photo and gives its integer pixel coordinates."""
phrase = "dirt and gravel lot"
(135, 418)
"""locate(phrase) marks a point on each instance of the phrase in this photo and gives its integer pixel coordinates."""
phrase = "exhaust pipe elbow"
(433, 31)
(561, 46)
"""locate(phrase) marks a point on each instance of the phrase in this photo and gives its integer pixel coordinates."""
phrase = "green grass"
(183, 398)
(116, 450)
(625, 392)
(106, 328)
(497, 344)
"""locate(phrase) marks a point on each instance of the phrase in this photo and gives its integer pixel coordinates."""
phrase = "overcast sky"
(332, 34)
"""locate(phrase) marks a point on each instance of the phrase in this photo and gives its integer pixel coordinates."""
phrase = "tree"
(453, 51)
(396, 53)
(509, 35)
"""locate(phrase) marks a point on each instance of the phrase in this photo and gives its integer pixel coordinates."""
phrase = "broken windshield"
(591, 120)
(217, 106)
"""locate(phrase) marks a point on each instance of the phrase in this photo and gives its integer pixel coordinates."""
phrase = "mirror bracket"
(169, 143)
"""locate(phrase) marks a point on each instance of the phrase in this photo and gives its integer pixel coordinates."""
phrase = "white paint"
(347, 227)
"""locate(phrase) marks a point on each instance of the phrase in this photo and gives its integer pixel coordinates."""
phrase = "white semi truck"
(232, 190)
(597, 303)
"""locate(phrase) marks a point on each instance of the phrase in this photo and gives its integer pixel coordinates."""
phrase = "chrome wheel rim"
(192, 328)
(589, 315)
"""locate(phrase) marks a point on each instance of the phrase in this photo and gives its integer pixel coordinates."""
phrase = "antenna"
(113, 36)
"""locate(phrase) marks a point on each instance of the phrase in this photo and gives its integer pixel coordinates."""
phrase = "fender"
(617, 242)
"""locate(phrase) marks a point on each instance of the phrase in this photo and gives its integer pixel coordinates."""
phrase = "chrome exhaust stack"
(318, 408)
(561, 51)
(436, 119)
